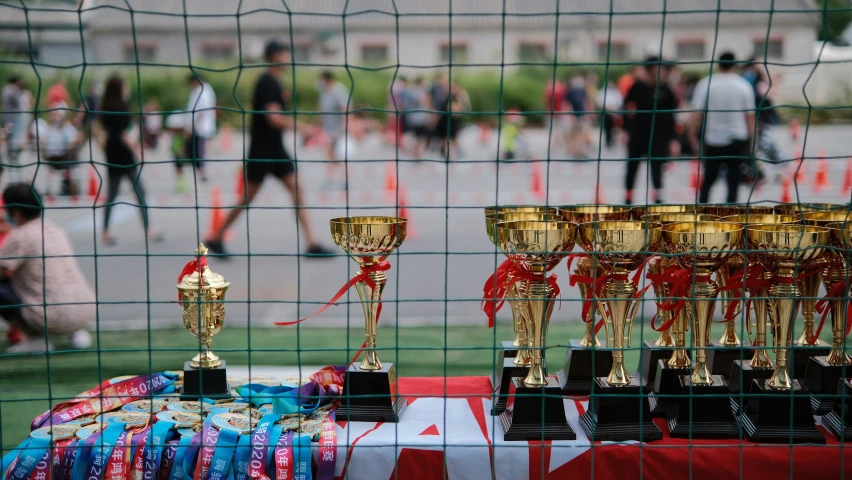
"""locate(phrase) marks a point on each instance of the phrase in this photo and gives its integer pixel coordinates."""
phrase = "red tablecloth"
(448, 431)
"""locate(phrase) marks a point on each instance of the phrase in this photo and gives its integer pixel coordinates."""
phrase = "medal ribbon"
(168, 460)
(43, 468)
(117, 463)
(823, 305)
(327, 448)
(157, 438)
(224, 454)
(241, 458)
(284, 457)
(260, 443)
(285, 400)
(81, 460)
(191, 456)
(59, 450)
(302, 447)
(362, 276)
(209, 437)
(177, 472)
(100, 454)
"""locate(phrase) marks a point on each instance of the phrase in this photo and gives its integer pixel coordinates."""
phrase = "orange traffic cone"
(821, 176)
(794, 129)
(217, 219)
(537, 183)
(693, 180)
(785, 191)
(403, 212)
(798, 165)
(93, 183)
(390, 177)
(847, 178)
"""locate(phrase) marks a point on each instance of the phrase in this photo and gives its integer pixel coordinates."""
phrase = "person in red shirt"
(57, 93)
(554, 102)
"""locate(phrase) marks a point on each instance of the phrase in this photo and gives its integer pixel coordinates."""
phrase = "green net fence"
(134, 131)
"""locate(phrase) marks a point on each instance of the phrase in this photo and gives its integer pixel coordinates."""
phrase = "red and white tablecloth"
(447, 431)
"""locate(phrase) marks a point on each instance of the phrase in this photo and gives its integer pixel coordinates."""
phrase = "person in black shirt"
(121, 162)
(266, 155)
(651, 127)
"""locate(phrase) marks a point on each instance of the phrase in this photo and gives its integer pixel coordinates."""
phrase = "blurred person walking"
(418, 117)
(333, 103)
(580, 104)
(267, 155)
(725, 115)
(201, 122)
(42, 289)
(651, 128)
(115, 118)
(59, 142)
(610, 102)
(16, 117)
(556, 107)
(450, 121)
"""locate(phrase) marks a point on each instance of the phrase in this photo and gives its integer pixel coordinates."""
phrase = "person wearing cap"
(266, 154)
(651, 128)
(724, 103)
(42, 289)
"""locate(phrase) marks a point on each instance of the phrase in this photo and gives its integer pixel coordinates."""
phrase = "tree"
(836, 16)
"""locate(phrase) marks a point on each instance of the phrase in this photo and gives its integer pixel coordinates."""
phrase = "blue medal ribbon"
(10, 457)
(100, 454)
(302, 457)
(277, 431)
(285, 400)
(241, 459)
(81, 460)
(190, 457)
(28, 457)
(63, 472)
(157, 438)
(177, 472)
(224, 454)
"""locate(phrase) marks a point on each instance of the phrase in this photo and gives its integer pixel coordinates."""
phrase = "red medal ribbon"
(496, 288)
(362, 276)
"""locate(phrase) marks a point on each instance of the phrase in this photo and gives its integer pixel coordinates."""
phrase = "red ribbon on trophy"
(495, 289)
(822, 306)
(362, 276)
(673, 275)
(196, 265)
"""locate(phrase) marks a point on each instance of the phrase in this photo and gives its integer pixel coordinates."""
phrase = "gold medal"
(146, 406)
(311, 427)
(180, 419)
(129, 419)
(56, 432)
(88, 431)
(236, 422)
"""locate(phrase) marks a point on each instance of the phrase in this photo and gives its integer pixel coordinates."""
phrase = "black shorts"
(257, 170)
(196, 148)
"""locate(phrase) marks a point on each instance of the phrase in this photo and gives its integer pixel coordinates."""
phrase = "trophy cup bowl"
(621, 247)
(785, 250)
(642, 210)
(703, 247)
(203, 300)
(535, 247)
(521, 209)
(724, 210)
(369, 241)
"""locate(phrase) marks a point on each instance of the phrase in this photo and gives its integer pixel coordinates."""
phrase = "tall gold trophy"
(702, 248)
(370, 390)
(535, 248)
(824, 371)
(202, 296)
(586, 357)
(514, 359)
(621, 247)
(781, 412)
(760, 366)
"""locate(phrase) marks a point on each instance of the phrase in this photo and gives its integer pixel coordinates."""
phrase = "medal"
(197, 408)
(311, 427)
(56, 432)
(235, 422)
(129, 419)
(180, 419)
(145, 406)
(81, 421)
(88, 431)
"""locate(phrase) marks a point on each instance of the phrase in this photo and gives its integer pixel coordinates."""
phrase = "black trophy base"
(822, 380)
(839, 419)
(703, 412)
(502, 380)
(209, 383)
(614, 416)
(538, 414)
(775, 416)
(742, 376)
(648, 365)
(509, 350)
(581, 365)
(720, 359)
(371, 396)
(802, 356)
(666, 382)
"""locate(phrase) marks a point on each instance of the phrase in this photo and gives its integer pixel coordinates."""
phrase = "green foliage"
(836, 16)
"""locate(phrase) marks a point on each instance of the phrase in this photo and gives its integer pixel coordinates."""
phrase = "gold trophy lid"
(725, 210)
(705, 245)
(666, 218)
(208, 278)
(492, 219)
(594, 212)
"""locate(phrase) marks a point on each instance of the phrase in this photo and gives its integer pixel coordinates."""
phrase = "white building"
(416, 34)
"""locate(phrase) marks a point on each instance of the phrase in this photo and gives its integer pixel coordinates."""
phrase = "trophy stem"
(619, 298)
(785, 304)
(515, 306)
(584, 268)
(729, 335)
(539, 298)
(760, 360)
(370, 301)
(661, 291)
(523, 355)
(809, 288)
(834, 273)
(679, 358)
(704, 303)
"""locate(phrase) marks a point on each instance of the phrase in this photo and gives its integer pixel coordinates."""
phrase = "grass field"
(27, 384)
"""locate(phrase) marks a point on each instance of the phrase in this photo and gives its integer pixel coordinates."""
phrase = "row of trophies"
(777, 255)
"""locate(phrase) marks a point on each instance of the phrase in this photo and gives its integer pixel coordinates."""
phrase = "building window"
(459, 52)
(617, 51)
(218, 51)
(146, 53)
(690, 50)
(533, 52)
(772, 49)
(374, 53)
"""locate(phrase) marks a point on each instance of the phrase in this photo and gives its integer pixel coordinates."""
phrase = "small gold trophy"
(787, 251)
(824, 371)
(202, 295)
(370, 394)
(535, 248)
(621, 247)
(585, 356)
(702, 248)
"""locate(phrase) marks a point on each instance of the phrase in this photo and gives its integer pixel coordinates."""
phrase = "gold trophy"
(370, 394)
(202, 296)
(824, 370)
(585, 356)
(535, 248)
(621, 247)
(703, 248)
(802, 208)
(725, 210)
(760, 366)
(515, 355)
(787, 251)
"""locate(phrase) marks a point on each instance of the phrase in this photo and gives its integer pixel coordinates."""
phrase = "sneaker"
(216, 247)
(31, 345)
(81, 339)
(319, 251)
